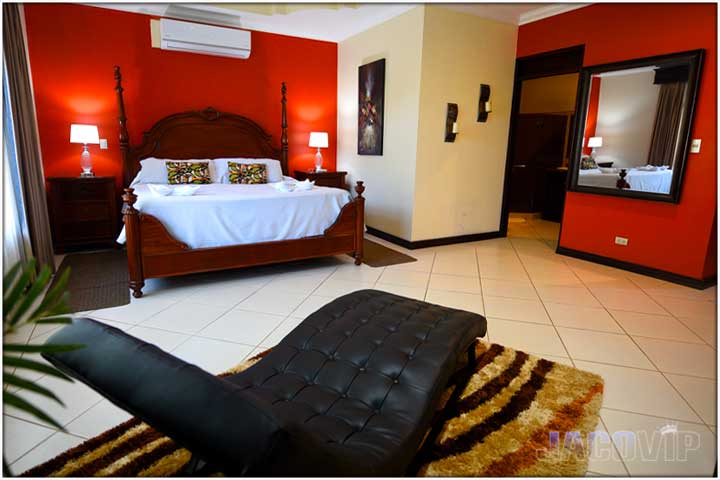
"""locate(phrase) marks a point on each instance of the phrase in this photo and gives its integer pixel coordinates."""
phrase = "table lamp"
(594, 143)
(85, 134)
(318, 140)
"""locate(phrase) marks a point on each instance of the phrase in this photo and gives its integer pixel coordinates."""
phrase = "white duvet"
(658, 181)
(219, 215)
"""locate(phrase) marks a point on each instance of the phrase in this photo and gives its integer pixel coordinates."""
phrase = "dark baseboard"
(633, 267)
(433, 242)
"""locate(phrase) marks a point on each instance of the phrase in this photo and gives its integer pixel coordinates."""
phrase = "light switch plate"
(695, 145)
(103, 144)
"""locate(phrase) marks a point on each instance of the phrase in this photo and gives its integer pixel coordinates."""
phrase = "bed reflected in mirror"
(635, 126)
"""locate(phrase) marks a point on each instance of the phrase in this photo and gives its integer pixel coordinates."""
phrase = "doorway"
(544, 104)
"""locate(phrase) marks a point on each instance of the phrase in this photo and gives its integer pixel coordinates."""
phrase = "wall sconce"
(484, 104)
(451, 126)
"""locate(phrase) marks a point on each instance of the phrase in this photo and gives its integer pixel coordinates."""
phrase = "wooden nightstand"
(323, 179)
(83, 211)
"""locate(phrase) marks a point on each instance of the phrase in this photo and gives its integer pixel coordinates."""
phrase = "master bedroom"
(354, 240)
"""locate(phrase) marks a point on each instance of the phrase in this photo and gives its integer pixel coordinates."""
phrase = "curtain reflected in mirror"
(665, 138)
(635, 129)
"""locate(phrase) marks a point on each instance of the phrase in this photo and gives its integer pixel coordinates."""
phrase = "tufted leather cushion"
(350, 392)
(359, 379)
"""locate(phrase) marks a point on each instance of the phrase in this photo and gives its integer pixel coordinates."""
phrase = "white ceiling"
(330, 22)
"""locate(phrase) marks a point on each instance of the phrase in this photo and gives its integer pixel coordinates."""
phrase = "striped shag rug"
(511, 420)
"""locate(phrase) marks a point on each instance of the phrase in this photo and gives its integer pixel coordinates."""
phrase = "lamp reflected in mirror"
(594, 143)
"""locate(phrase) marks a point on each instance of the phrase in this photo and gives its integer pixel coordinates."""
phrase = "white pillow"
(153, 170)
(272, 166)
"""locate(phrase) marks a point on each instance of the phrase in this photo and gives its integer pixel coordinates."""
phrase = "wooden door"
(539, 141)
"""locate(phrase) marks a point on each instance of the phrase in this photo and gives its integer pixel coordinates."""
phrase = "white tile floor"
(653, 342)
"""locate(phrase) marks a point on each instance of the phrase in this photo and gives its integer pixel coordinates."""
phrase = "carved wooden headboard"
(199, 134)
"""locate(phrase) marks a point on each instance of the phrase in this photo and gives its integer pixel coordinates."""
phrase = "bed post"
(131, 217)
(122, 119)
(284, 135)
(359, 222)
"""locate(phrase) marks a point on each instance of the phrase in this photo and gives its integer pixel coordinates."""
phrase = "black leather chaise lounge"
(351, 391)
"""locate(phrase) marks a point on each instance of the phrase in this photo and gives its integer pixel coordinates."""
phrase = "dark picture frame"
(693, 59)
(371, 107)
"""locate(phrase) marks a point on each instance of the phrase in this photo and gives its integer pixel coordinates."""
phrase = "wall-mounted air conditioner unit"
(205, 39)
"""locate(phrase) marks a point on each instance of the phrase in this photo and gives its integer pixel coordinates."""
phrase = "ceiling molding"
(155, 9)
(330, 23)
(205, 14)
(285, 8)
(549, 11)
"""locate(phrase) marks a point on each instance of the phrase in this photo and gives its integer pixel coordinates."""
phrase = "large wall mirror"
(632, 134)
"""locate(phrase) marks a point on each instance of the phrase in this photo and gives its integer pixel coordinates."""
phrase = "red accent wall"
(73, 48)
(676, 238)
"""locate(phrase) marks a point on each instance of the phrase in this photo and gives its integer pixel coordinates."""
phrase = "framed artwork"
(371, 98)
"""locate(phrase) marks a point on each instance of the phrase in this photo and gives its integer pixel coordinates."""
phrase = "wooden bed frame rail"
(153, 252)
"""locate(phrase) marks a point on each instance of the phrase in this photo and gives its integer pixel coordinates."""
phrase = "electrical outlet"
(103, 144)
(695, 145)
(621, 241)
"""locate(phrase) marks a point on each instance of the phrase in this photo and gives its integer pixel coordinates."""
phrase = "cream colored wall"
(549, 94)
(390, 178)
(459, 186)
(155, 33)
(626, 118)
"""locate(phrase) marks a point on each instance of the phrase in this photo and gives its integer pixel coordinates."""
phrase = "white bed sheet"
(220, 215)
(657, 182)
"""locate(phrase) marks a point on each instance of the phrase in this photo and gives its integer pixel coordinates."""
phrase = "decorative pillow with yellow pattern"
(247, 172)
(187, 172)
(587, 163)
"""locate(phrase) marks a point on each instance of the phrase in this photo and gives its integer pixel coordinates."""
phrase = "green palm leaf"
(16, 347)
(31, 296)
(15, 291)
(14, 380)
(22, 404)
(11, 274)
(27, 364)
(26, 301)
(55, 302)
(54, 320)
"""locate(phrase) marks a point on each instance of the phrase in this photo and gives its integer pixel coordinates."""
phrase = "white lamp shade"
(84, 133)
(595, 142)
(319, 139)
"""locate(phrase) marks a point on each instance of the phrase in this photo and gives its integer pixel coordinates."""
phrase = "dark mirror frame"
(694, 59)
